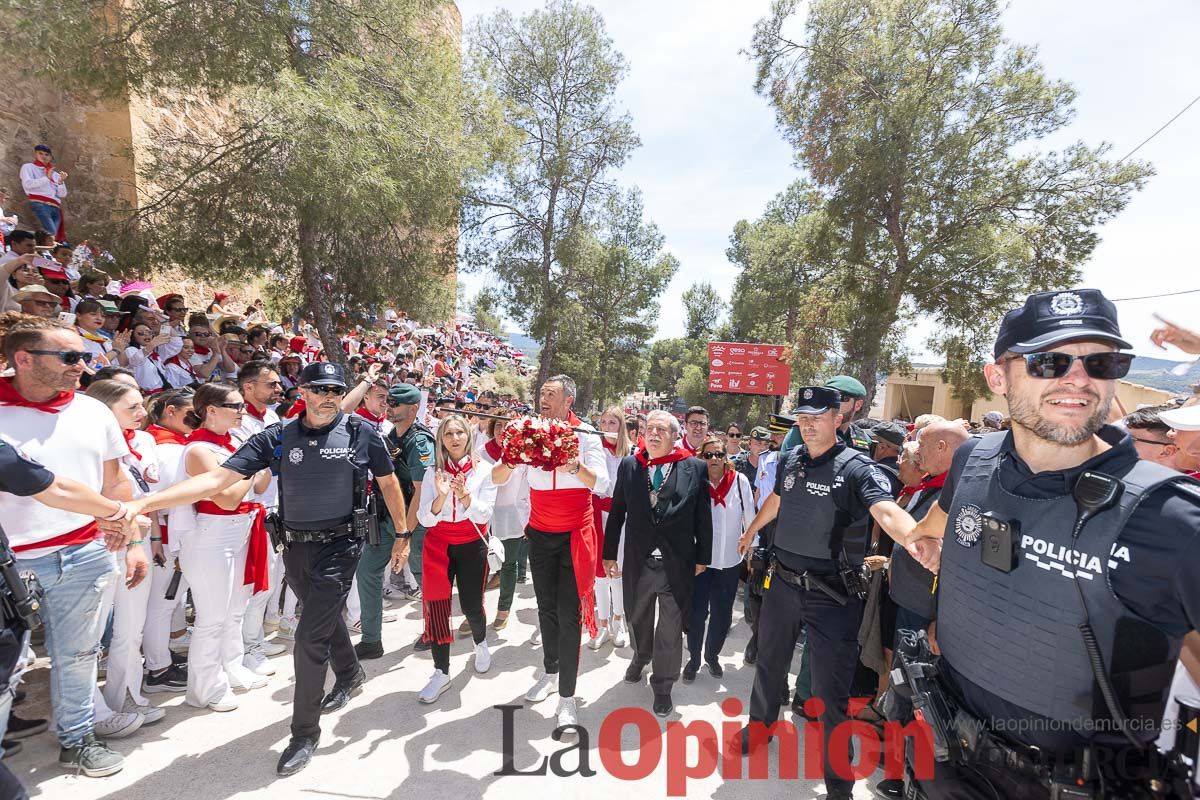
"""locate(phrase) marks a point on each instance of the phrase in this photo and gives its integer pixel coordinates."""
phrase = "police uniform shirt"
(20, 475)
(412, 455)
(1156, 555)
(764, 481)
(863, 485)
(258, 453)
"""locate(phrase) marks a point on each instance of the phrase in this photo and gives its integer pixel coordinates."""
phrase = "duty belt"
(324, 535)
(808, 581)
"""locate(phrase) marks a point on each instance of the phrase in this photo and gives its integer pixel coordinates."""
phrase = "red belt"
(256, 554)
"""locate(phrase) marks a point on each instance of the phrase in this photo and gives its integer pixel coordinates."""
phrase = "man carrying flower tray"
(564, 469)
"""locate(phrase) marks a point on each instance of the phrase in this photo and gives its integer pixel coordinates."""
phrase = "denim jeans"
(48, 216)
(74, 580)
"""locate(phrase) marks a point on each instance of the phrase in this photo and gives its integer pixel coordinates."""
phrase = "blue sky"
(711, 154)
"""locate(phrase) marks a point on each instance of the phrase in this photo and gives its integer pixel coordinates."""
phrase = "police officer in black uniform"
(1067, 574)
(322, 459)
(851, 434)
(825, 495)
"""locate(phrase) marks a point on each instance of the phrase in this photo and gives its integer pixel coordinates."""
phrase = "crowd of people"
(128, 402)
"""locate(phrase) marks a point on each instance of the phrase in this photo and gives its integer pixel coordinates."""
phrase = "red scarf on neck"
(678, 454)
(201, 350)
(166, 435)
(683, 444)
(365, 414)
(296, 410)
(254, 412)
(186, 366)
(128, 433)
(493, 450)
(610, 447)
(9, 396)
(717, 493)
(928, 482)
(205, 435)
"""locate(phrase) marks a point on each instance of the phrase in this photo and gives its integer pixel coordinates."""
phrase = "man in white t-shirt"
(76, 437)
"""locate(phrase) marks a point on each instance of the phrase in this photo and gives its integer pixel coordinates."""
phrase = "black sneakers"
(168, 679)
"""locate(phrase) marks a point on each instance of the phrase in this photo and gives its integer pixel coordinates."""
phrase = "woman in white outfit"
(170, 432)
(123, 684)
(509, 518)
(610, 605)
(214, 544)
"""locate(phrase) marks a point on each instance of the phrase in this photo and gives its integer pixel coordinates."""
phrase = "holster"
(276, 532)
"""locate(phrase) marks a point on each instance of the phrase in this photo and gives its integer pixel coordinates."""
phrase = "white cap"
(1182, 419)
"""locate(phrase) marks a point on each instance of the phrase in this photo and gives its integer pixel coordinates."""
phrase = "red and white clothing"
(97, 345)
(73, 440)
(732, 512)
(254, 421)
(157, 630)
(179, 373)
(145, 368)
(691, 451)
(510, 514)
(610, 600)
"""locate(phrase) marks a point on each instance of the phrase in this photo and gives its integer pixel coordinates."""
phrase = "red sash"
(935, 482)
(435, 575)
(256, 555)
(569, 511)
(81, 535)
(60, 235)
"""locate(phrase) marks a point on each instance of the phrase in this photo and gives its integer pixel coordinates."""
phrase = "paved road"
(385, 744)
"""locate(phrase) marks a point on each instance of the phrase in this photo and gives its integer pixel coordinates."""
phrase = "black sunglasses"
(337, 390)
(711, 456)
(1151, 441)
(233, 406)
(176, 308)
(68, 357)
(393, 403)
(733, 436)
(1098, 366)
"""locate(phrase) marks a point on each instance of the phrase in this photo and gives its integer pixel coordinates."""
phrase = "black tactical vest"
(910, 584)
(809, 523)
(316, 474)
(1017, 634)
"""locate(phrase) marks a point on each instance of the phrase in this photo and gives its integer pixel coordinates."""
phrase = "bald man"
(911, 585)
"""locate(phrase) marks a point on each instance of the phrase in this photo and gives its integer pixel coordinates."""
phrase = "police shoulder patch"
(968, 525)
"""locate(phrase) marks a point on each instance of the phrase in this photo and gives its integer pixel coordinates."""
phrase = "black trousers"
(713, 595)
(657, 642)
(469, 569)
(558, 605)
(833, 642)
(979, 782)
(320, 574)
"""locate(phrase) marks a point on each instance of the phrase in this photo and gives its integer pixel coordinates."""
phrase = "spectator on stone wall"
(8, 222)
(46, 188)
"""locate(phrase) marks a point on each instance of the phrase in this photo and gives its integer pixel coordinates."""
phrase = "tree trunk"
(546, 357)
(743, 411)
(583, 403)
(314, 290)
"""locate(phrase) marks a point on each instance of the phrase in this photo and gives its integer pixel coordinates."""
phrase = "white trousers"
(257, 608)
(125, 652)
(162, 616)
(609, 599)
(353, 608)
(213, 557)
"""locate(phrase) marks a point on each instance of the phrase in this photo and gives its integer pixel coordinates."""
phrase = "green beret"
(404, 394)
(850, 387)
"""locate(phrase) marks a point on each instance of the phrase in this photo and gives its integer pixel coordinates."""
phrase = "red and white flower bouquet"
(542, 443)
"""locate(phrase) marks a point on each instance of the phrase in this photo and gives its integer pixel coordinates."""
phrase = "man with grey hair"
(562, 550)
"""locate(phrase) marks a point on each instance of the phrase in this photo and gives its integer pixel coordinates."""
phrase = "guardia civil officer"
(824, 496)
(854, 396)
(322, 459)
(1067, 573)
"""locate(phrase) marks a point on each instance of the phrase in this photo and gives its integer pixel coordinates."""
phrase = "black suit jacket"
(680, 526)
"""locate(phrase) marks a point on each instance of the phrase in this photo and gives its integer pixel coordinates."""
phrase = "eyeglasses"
(1151, 441)
(68, 357)
(334, 390)
(42, 304)
(233, 406)
(200, 335)
(697, 423)
(711, 456)
(1099, 366)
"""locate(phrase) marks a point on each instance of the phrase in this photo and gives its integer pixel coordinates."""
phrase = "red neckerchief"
(205, 435)
(928, 482)
(718, 492)
(254, 412)
(572, 419)
(453, 469)
(612, 448)
(65, 302)
(166, 435)
(683, 442)
(201, 350)
(296, 410)
(678, 454)
(48, 166)
(9, 396)
(492, 448)
(365, 414)
(1194, 474)
(185, 366)
(128, 434)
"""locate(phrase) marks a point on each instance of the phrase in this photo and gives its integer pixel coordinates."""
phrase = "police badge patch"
(1066, 304)
(968, 525)
(788, 482)
(295, 455)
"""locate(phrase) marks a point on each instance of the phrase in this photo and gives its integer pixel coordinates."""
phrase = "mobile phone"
(999, 549)
(166, 330)
(66, 317)
(45, 247)
(41, 262)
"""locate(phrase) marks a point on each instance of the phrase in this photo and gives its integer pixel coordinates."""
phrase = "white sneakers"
(256, 662)
(600, 638)
(227, 702)
(568, 714)
(273, 648)
(438, 683)
(543, 687)
(242, 678)
(620, 636)
(119, 725)
(149, 714)
(483, 657)
(287, 627)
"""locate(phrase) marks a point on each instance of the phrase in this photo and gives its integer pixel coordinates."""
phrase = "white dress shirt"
(480, 488)
(729, 521)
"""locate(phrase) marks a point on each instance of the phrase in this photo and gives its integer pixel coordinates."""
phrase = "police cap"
(404, 394)
(817, 400)
(1050, 318)
(323, 373)
(849, 386)
(780, 423)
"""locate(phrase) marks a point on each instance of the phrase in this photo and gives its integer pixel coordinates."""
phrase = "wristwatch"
(576, 470)
(403, 534)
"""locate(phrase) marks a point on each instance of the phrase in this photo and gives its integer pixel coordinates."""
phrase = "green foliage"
(555, 72)
(504, 381)
(484, 308)
(703, 309)
(918, 124)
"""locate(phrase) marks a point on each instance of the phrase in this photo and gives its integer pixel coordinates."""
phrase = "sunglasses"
(1151, 441)
(176, 308)
(1098, 366)
(733, 436)
(711, 456)
(393, 403)
(68, 357)
(233, 406)
(334, 390)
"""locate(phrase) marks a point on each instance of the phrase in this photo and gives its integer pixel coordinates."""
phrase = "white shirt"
(729, 521)
(73, 443)
(591, 455)
(250, 426)
(511, 512)
(764, 483)
(479, 487)
(146, 467)
(144, 369)
(613, 461)
(170, 472)
(34, 180)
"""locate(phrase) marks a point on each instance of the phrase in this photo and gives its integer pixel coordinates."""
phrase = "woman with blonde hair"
(610, 606)
(455, 507)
